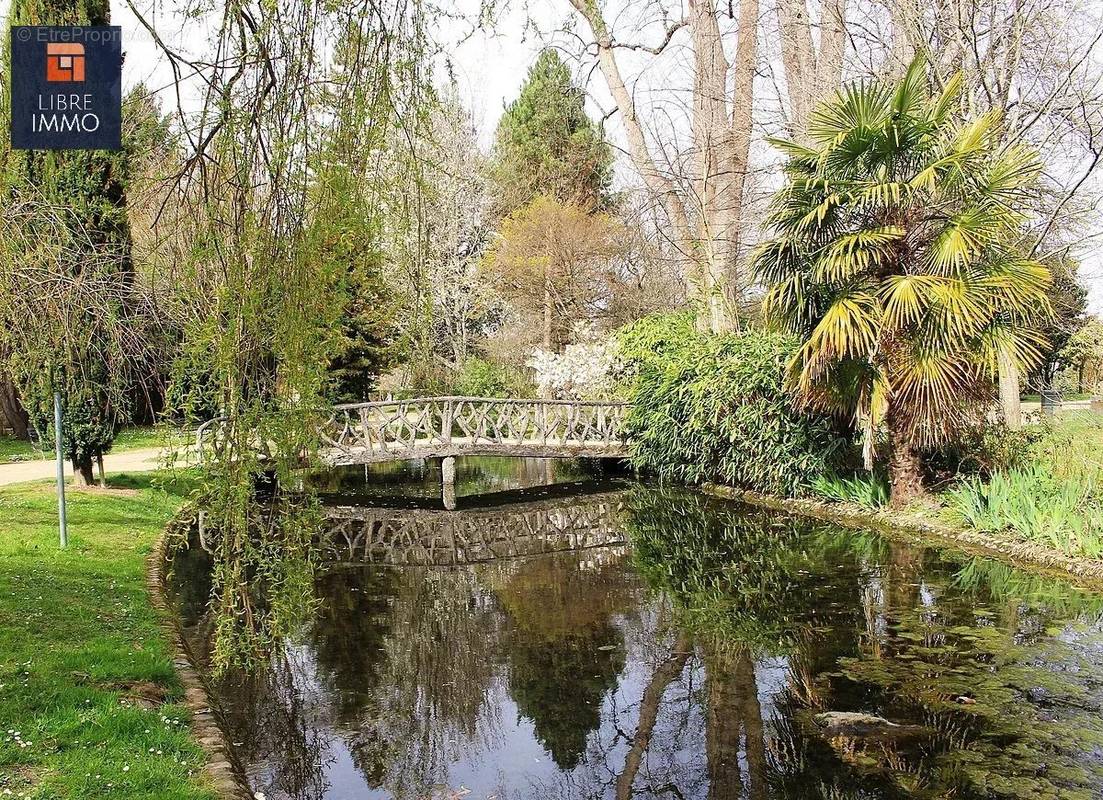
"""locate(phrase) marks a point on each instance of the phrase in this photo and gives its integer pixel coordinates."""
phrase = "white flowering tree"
(589, 369)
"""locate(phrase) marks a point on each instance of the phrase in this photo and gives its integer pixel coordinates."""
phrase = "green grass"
(77, 634)
(139, 437)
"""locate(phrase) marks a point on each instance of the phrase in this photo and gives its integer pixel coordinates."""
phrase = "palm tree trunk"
(905, 469)
(1009, 392)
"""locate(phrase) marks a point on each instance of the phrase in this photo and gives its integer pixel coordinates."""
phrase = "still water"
(607, 639)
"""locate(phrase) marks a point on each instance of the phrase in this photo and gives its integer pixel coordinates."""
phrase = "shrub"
(982, 450)
(480, 377)
(583, 371)
(653, 339)
(715, 409)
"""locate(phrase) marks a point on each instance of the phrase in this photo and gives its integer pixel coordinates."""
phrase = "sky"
(488, 67)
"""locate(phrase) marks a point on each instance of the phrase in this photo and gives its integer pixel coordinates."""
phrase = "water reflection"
(708, 659)
(418, 483)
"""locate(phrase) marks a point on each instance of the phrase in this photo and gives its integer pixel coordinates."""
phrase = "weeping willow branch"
(301, 98)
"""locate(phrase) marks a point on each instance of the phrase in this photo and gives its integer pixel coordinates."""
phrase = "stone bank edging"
(224, 777)
(1015, 553)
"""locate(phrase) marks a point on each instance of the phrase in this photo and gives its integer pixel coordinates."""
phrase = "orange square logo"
(64, 63)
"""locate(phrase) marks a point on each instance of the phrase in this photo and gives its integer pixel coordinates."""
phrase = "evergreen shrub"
(715, 408)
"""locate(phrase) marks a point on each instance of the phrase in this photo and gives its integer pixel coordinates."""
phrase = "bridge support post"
(448, 482)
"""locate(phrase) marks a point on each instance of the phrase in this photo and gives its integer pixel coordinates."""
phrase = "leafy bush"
(650, 341)
(480, 377)
(716, 409)
(982, 450)
(868, 490)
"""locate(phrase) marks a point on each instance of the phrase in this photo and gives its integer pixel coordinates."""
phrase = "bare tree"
(812, 73)
(704, 204)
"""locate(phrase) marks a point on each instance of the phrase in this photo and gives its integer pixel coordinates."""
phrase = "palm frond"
(860, 106)
(948, 99)
(853, 253)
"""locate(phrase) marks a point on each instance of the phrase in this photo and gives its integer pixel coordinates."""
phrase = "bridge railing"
(396, 425)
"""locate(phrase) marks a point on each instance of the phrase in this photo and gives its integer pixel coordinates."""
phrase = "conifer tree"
(547, 145)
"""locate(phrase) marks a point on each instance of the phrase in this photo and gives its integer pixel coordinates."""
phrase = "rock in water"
(863, 726)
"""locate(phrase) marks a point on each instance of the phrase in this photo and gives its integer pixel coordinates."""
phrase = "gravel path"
(145, 460)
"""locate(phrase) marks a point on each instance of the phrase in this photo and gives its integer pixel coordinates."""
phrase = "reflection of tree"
(665, 674)
(271, 716)
(564, 652)
(559, 685)
(739, 579)
(349, 634)
(734, 722)
(433, 703)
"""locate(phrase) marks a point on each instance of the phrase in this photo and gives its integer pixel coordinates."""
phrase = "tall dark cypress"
(83, 192)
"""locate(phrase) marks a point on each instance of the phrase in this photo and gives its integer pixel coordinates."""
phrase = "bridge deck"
(470, 445)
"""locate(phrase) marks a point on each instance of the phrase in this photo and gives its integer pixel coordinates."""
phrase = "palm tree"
(895, 257)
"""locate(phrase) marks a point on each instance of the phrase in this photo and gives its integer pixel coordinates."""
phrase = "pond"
(611, 639)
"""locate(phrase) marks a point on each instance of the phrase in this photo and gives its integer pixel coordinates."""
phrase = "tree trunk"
(709, 244)
(1009, 392)
(99, 470)
(12, 414)
(905, 469)
(549, 311)
(744, 67)
(82, 471)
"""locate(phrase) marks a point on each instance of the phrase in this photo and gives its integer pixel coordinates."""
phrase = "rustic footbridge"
(445, 427)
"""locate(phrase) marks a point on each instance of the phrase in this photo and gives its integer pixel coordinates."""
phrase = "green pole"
(62, 525)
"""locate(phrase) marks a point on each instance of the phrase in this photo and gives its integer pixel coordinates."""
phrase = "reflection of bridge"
(445, 427)
(421, 537)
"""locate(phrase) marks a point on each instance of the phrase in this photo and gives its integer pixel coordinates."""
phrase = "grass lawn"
(135, 438)
(81, 652)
